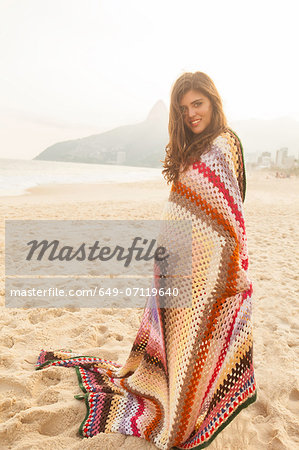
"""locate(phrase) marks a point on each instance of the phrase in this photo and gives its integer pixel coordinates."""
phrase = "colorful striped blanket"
(190, 370)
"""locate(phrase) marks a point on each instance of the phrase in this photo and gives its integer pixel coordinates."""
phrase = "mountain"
(141, 144)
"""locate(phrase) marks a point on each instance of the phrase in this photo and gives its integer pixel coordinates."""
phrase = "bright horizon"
(71, 69)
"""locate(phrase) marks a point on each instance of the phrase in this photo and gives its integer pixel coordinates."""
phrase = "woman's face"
(197, 111)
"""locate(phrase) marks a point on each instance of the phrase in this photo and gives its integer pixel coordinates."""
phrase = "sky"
(72, 68)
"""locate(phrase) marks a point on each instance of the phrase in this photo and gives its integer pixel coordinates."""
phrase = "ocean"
(17, 175)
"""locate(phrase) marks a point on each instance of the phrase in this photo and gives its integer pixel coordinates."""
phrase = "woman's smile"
(195, 122)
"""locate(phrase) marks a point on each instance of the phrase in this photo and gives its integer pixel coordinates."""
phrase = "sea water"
(17, 175)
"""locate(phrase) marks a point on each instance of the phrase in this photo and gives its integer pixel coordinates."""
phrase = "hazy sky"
(70, 68)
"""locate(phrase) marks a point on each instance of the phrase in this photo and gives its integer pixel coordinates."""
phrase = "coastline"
(94, 192)
(115, 191)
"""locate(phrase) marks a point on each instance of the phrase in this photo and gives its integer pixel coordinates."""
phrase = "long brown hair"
(185, 147)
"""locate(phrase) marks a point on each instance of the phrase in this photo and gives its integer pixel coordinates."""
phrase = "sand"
(38, 409)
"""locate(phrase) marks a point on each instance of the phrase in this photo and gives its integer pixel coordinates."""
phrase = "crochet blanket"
(190, 370)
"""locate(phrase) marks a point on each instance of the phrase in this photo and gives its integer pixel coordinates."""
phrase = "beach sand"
(38, 408)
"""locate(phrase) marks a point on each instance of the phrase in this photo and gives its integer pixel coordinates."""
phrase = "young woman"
(190, 369)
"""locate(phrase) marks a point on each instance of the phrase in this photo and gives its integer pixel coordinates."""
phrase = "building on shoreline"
(264, 160)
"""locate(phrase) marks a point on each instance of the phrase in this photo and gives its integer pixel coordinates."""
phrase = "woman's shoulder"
(229, 145)
(227, 138)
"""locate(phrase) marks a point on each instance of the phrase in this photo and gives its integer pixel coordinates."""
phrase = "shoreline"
(92, 189)
(59, 193)
(134, 191)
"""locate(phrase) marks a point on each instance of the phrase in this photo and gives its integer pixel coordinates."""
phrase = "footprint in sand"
(48, 397)
(11, 385)
(7, 341)
(49, 376)
(6, 360)
(35, 317)
(117, 336)
(293, 403)
(294, 395)
(74, 332)
(261, 409)
(102, 329)
(57, 420)
(11, 406)
(276, 442)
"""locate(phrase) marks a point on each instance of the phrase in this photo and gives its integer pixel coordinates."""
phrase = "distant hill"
(143, 144)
